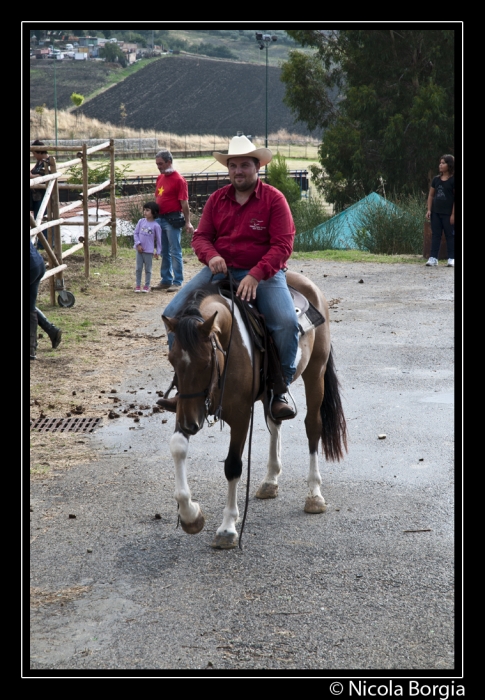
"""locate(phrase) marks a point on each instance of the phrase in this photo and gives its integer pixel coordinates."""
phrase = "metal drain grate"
(65, 425)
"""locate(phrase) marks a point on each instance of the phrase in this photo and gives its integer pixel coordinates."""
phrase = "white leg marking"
(274, 458)
(230, 512)
(314, 478)
(179, 447)
(269, 486)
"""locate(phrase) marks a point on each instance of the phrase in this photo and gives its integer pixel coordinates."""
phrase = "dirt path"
(368, 585)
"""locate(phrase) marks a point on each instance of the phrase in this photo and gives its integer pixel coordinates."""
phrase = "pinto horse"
(203, 331)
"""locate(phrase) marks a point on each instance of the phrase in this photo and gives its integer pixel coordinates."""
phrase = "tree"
(384, 99)
(279, 177)
(112, 53)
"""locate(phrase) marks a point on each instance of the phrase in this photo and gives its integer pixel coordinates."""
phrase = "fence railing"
(185, 147)
(50, 206)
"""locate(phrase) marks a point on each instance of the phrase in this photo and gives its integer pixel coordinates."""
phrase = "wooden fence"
(51, 207)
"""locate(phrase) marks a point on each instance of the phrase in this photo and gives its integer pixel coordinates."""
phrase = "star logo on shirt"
(160, 191)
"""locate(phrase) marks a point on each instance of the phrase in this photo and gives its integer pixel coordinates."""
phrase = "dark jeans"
(439, 223)
(36, 274)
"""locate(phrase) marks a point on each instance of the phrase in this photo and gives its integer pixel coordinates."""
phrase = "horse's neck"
(223, 320)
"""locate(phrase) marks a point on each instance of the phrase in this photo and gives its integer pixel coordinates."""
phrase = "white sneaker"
(451, 262)
(431, 262)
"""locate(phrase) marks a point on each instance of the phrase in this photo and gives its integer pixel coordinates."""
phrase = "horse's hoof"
(315, 504)
(267, 491)
(225, 540)
(195, 527)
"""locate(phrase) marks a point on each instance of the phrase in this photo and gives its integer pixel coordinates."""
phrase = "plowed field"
(83, 77)
(179, 95)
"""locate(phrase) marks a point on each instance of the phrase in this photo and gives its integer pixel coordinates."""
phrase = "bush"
(77, 99)
(307, 215)
(278, 176)
(392, 230)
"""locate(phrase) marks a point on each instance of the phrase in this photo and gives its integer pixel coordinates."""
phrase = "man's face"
(243, 173)
(163, 165)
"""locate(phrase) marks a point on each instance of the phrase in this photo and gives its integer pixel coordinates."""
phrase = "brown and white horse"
(202, 333)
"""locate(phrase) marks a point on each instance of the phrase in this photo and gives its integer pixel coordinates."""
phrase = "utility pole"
(264, 41)
(55, 99)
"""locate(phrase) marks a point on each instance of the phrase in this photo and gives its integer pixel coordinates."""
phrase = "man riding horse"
(247, 229)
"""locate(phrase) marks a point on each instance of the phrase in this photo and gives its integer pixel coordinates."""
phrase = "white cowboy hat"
(241, 146)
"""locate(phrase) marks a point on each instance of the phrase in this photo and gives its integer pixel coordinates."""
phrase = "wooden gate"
(51, 210)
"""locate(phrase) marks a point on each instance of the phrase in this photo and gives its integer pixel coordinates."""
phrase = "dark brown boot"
(169, 404)
(280, 408)
(52, 331)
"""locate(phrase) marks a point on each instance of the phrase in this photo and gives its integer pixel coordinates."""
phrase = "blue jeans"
(172, 268)
(273, 300)
(145, 259)
(439, 223)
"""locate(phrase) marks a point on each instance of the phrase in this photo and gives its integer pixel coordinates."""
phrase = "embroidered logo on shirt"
(255, 224)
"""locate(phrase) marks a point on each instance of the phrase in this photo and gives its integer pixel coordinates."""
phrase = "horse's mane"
(189, 318)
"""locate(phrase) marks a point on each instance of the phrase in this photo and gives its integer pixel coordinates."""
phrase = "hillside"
(84, 77)
(175, 94)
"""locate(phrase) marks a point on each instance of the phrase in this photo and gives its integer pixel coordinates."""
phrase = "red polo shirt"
(169, 190)
(256, 236)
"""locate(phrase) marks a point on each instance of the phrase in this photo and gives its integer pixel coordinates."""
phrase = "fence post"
(85, 210)
(112, 195)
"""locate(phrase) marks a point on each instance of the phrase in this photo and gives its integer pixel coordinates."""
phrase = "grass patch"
(357, 256)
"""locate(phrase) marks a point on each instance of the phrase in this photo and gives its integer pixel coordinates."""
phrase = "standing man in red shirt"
(247, 229)
(172, 197)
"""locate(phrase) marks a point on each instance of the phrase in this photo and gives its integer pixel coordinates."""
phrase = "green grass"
(357, 256)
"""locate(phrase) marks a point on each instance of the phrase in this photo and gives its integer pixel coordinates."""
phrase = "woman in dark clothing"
(441, 210)
(37, 271)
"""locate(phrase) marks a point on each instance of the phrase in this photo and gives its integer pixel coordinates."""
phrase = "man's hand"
(247, 288)
(189, 228)
(217, 264)
(155, 255)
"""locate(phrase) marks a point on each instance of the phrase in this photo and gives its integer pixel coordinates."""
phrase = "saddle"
(308, 318)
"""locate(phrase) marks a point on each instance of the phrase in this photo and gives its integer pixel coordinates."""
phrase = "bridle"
(215, 380)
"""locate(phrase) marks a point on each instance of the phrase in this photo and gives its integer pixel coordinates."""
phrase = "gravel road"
(367, 586)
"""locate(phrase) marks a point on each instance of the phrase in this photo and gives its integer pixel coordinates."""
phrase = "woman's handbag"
(175, 219)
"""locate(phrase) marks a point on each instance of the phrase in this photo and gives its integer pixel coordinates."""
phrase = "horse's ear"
(171, 323)
(207, 327)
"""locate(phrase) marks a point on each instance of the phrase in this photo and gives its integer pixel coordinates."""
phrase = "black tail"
(334, 426)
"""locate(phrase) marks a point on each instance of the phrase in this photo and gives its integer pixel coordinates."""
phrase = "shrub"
(278, 176)
(307, 215)
(77, 99)
(392, 230)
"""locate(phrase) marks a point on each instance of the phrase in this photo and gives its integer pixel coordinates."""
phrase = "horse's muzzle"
(190, 428)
